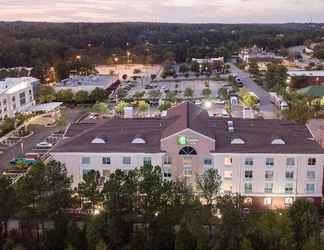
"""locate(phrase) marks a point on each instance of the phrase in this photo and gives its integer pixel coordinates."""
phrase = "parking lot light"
(207, 104)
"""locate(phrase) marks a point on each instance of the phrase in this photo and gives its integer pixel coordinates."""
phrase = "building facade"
(269, 162)
(16, 95)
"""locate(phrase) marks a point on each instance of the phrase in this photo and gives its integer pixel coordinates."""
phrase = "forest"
(42, 45)
(139, 210)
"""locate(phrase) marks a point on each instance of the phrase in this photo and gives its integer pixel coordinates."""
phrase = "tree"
(139, 95)
(89, 188)
(100, 107)
(206, 92)
(299, 109)
(209, 184)
(185, 239)
(250, 101)
(183, 68)
(65, 95)
(165, 106)
(45, 93)
(171, 96)
(154, 94)
(304, 222)
(195, 67)
(276, 76)
(143, 106)
(43, 194)
(81, 96)
(253, 67)
(7, 125)
(8, 203)
(119, 109)
(98, 95)
(188, 92)
(231, 230)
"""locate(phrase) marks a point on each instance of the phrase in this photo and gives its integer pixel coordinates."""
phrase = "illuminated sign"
(185, 140)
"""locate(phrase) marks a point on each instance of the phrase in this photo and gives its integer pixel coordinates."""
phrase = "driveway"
(267, 109)
(40, 134)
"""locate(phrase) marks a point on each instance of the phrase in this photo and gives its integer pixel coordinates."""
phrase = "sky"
(184, 11)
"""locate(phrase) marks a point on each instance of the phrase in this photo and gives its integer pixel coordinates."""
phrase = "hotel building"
(16, 95)
(269, 162)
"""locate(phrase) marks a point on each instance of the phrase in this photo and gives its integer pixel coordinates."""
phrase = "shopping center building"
(269, 162)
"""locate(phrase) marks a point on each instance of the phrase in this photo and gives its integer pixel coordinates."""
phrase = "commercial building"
(208, 60)
(16, 95)
(310, 77)
(87, 83)
(270, 162)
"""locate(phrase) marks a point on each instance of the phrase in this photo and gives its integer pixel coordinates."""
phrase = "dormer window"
(138, 141)
(278, 142)
(237, 141)
(98, 141)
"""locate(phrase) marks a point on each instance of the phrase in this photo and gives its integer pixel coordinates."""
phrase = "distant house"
(87, 83)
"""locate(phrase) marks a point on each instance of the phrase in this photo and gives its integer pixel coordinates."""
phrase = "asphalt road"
(40, 134)
(267, 109)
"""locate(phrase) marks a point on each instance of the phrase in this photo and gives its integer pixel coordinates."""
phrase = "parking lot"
(40, 134)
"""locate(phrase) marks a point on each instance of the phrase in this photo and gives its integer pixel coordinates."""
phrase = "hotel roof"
(257, 135)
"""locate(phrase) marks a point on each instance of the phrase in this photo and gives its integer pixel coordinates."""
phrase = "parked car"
(44, 145)
(225, 114)
(219, 101)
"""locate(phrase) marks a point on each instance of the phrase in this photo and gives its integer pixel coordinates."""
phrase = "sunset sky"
(190, 11)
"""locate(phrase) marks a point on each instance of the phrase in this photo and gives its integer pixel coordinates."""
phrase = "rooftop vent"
(278, 142)
(237, 141)
(98, 140)
(138, 141)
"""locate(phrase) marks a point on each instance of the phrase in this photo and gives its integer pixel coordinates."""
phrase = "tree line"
(45, 45)
(138, 209)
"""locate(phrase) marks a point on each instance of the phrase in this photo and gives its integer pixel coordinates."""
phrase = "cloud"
(229, 11)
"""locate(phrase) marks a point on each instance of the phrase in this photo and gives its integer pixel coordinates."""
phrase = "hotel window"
(290, 161)
(248, 162)
(85, 160)
(311, 161)
(13, 99)
(106, 160)
(147, 160)
(187, 171)
(86, 172)
(22, 98)
(268, 188)
(289, 188)
(268, 174)
(310, 188)
(267, 201)
(208, 161)
(269, 162)
(311, 175)
(228, 174)
(248, 188)
(126, 160)
(228, 161)
(248, 174)
(167, 160)
(288, 201)
(167, 173)
(290, 175)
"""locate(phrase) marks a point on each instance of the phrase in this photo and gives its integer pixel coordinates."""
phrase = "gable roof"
(257, 134)
(187, 115)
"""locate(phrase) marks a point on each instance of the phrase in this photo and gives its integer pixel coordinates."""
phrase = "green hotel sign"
(182, 140)
(185, 140)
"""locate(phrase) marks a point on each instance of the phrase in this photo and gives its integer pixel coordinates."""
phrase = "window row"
(228, 161)
(289, 188)
(125, 160)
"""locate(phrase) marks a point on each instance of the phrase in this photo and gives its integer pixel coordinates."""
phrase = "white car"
(219, 101)
(225, 114)
(44, 144)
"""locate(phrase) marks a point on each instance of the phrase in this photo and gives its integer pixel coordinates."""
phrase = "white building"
(16, 95)
(269, 162)
(87, 83)
(208, 60)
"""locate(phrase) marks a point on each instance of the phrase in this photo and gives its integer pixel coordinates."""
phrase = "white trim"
(106, 153)
(188, 130)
